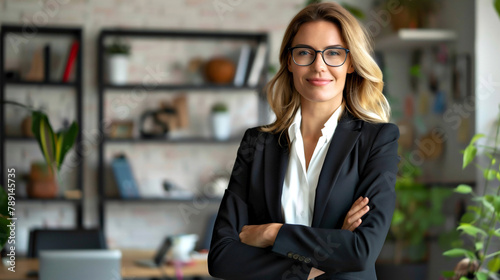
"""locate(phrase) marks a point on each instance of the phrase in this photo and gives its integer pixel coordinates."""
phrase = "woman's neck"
(314, 117)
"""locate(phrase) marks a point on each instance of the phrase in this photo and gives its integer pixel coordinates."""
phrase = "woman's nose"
(319, 64)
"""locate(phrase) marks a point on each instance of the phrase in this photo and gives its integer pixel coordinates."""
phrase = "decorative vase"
(221, 125)
(118, 69)
(42, 181)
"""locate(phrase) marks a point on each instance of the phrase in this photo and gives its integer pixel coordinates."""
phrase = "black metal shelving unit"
(77, 85)
(104, 86)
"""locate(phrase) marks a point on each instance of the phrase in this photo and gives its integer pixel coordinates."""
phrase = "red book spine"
(71, 60)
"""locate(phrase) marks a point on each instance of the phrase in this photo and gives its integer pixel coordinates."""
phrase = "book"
(258, 65)
(70, 62)
(241, 68)
(124, 178)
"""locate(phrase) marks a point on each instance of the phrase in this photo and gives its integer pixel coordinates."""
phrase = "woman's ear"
(289, 64)
(350, 70)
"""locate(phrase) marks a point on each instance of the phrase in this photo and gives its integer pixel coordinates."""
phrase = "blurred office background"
(439, 60)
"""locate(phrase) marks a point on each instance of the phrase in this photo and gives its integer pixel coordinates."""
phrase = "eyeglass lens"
(331, 56)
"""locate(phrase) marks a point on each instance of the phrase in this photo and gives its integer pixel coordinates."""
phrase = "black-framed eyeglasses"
(305, 56)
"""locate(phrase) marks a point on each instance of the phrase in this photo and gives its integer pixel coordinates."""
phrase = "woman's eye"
(304, 52)
(332, 53)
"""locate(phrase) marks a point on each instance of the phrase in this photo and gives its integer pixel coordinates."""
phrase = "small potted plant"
(118, 57)
(221, 122)
(54, 146)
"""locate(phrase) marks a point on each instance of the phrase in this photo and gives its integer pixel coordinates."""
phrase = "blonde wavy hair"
(362, 95)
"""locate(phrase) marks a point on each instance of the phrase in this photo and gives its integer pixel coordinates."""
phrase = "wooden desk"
(129, 268)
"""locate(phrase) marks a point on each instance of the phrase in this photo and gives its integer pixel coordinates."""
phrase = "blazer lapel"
(344, 138)
(274, 168)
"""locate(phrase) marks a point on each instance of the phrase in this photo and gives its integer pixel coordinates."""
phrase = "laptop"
(80, 264)
(159, 257)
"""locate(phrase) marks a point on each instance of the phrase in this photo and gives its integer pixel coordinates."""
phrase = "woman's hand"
(358, 209)
(261, 236)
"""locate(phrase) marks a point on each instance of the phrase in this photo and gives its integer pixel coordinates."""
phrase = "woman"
(296, 202)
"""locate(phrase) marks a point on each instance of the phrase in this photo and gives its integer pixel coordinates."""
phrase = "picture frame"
(461, 77)
(121, 129)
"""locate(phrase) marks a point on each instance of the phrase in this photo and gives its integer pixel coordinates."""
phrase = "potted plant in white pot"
(118, 58)
(221, 122)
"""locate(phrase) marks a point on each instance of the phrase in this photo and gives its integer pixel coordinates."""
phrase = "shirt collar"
(295, 126)
(331, 123)
(327, 130)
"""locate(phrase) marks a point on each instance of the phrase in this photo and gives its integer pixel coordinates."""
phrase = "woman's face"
(319, 82)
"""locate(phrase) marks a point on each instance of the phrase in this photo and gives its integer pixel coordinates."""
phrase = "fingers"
(353, 217)
(358, 205)
(355, 225)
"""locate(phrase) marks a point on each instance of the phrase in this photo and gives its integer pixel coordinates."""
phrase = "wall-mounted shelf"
(407, 39)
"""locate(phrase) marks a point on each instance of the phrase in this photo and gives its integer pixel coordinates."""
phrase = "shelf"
(41, 83)
(42, 30)
(57, 199)
(148, 200)
(204, 87)
(407, 39)
(199, 140)
(169, 34)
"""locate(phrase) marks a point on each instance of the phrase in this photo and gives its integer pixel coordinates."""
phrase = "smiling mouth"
(319, 82)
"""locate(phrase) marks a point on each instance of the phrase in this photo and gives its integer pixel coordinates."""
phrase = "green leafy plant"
(118, 47)
(54, 145)
(479, 225)
(496, 4)
(418, 209)
(4, 215)
(219, 108)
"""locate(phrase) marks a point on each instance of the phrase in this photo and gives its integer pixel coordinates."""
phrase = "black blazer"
(361, 161)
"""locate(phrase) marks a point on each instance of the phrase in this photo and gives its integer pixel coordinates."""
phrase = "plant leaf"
(497, 6)
(476, 137)
(4, 214)
(469, 154)
(479, 246)
(464, 189)
(44, 134)
(68, 140)
(494, 264)
(4, 231)
(471, 230)
(489, 174)
(459, 252)
(4, 207)
(448, 274)
(482, 276)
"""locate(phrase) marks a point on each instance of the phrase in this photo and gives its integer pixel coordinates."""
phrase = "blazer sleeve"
(228, 257)
(337, 250)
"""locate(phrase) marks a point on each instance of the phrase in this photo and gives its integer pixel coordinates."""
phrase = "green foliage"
(219, 107)
(118, 47)
(54, 146)
(4, 214)
(479, 225)
(418, 208)
(496, 4)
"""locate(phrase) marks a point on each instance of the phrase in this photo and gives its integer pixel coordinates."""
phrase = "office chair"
(57, 239)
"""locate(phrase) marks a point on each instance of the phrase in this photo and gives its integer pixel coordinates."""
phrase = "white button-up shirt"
(299, 187)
